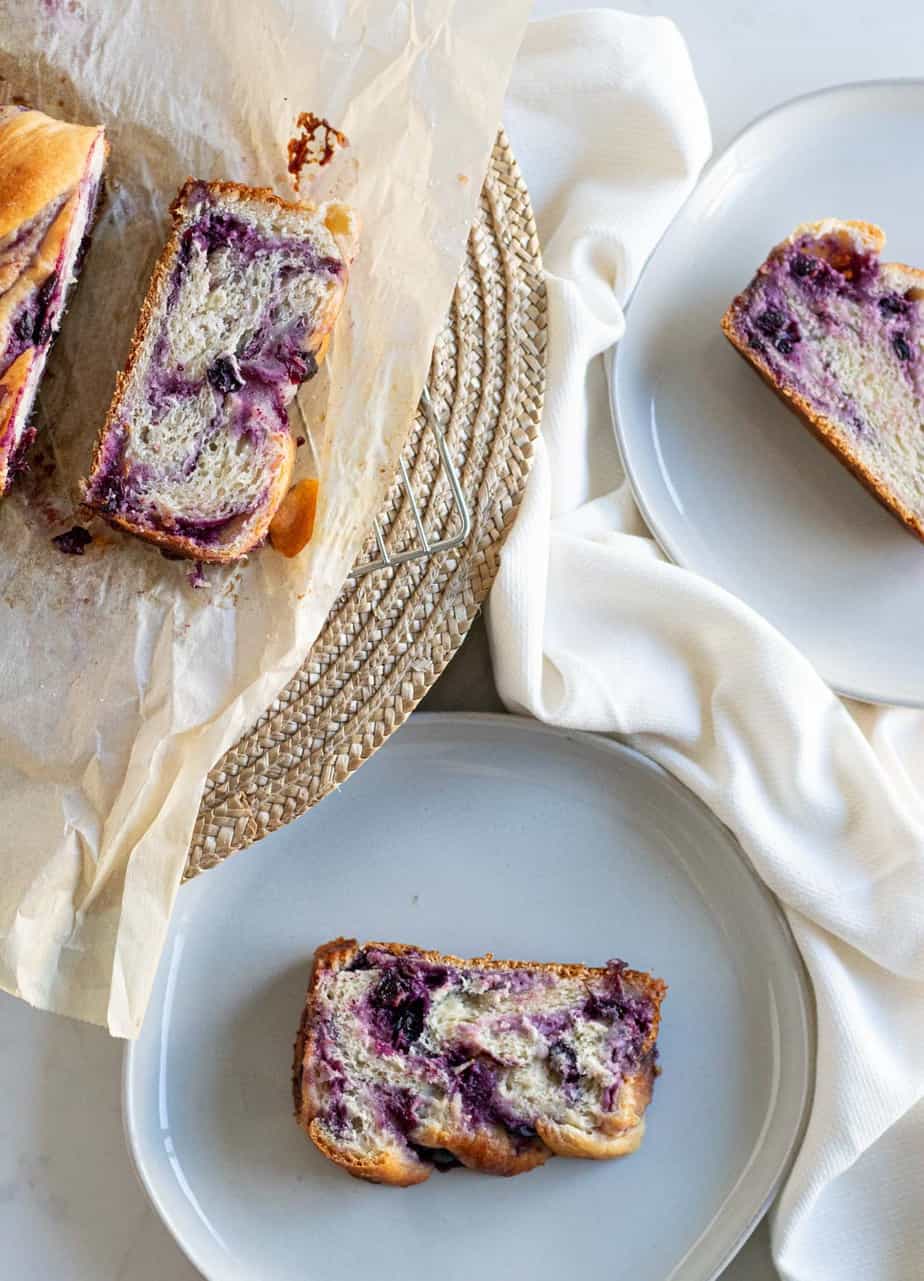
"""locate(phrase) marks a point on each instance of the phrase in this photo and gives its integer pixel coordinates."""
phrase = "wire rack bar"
(426, 545)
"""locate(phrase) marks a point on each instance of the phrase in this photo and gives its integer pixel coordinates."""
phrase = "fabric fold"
(591, 629)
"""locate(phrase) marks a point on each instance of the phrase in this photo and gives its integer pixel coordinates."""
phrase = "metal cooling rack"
(427, 544)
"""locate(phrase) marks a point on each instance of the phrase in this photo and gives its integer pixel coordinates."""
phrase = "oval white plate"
(729, 481)
(472, 834)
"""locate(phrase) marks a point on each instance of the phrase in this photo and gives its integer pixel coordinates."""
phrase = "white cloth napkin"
(590, 628)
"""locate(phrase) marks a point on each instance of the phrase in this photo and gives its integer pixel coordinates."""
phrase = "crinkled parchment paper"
(120, 682)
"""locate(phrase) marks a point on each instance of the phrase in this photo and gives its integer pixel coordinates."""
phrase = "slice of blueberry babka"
(196, 453)
(408, 1061)
(839, 336)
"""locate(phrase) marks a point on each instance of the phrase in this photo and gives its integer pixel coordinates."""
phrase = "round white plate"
(730, 482)
(472, 834)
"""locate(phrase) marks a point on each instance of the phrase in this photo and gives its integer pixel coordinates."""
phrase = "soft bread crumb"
(847, 355)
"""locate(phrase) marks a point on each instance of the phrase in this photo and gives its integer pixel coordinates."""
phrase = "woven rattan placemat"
(391, 632)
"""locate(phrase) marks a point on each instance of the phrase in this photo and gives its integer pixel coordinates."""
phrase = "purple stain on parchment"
(62, 9)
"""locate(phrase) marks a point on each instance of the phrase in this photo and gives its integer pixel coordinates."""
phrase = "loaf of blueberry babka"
(50, 177)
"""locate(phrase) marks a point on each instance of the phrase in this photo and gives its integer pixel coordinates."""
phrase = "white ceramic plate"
(729, 481)
(472, 834)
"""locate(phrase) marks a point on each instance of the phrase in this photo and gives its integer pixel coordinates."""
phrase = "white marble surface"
(70, 1208)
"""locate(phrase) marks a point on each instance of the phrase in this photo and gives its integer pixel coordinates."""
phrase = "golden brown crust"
(41, 160)
(489, 1149)
(43, 163)
(12, 386)
(821, 427)
(825, 431)
(328, 957)
(568, 1140)
(13, 380)
(394, 1166)
(872, 236)
(44, 260)
(255, 527)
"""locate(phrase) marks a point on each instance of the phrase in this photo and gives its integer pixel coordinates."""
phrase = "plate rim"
(803, 991)
(613, 369)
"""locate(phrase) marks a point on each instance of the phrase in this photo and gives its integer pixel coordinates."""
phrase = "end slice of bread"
(196, 453)
(839, 336)
(408, 1061)
(50, 178)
